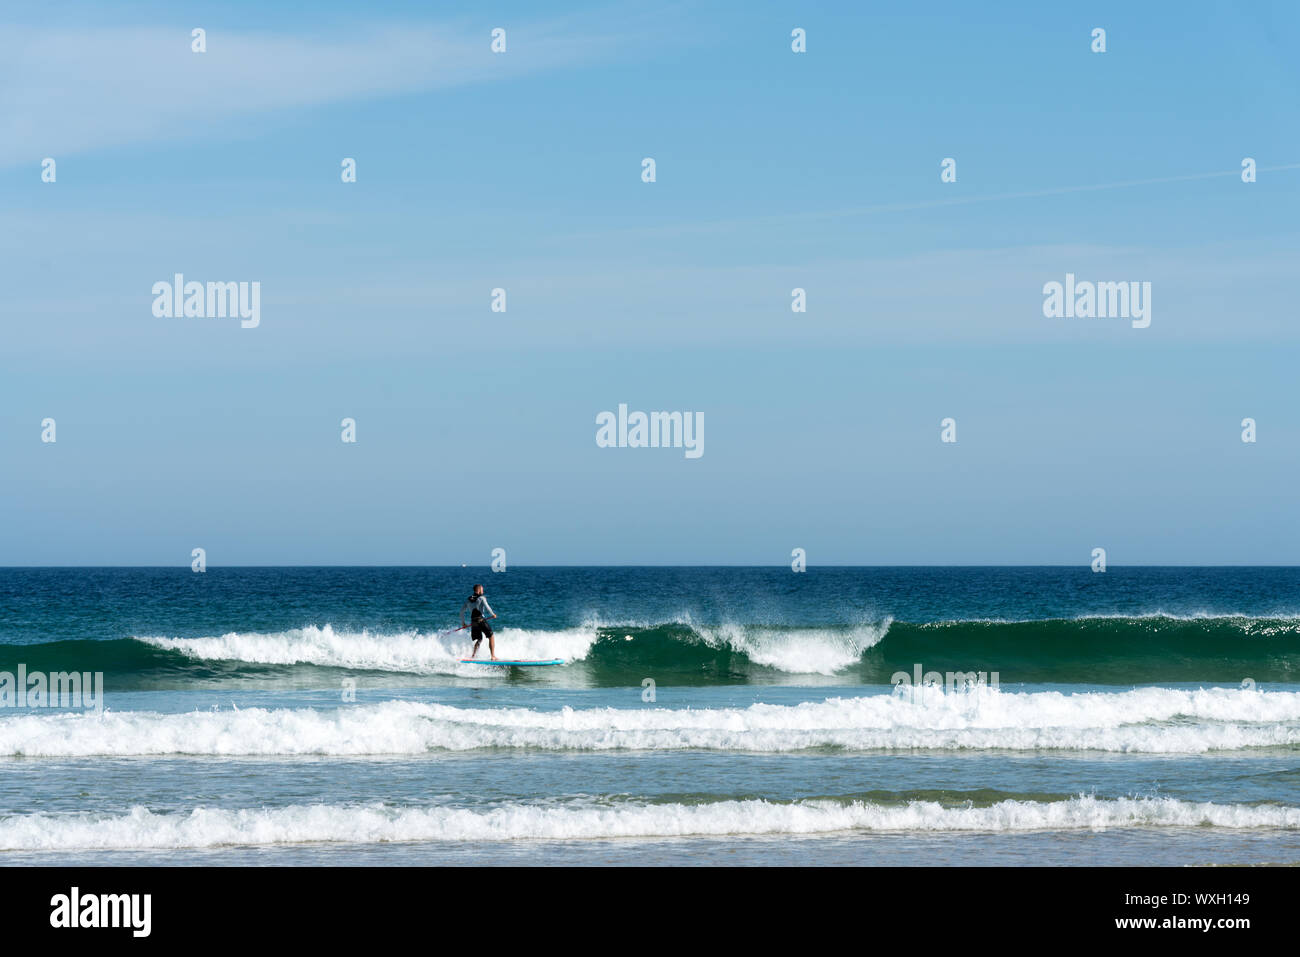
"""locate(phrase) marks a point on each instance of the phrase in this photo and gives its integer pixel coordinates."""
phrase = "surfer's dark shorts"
(480, 630)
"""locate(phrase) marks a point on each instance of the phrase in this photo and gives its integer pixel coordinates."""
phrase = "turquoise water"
(722, 715)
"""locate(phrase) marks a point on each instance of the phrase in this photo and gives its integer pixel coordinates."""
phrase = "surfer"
(479, 626)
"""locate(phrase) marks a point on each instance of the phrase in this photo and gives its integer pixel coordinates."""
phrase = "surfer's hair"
(476, 588)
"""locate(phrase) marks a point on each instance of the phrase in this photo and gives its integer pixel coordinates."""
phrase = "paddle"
(470, 625)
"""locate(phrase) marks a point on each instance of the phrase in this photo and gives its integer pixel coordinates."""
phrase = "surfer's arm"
(462, 613)
(489, 608)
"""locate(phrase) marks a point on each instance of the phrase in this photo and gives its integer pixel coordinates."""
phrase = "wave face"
(297, 824)
(158, 661)
(681, 625)
(1144, 720)
(677, 648)
(1100, 649)
(1096, 650)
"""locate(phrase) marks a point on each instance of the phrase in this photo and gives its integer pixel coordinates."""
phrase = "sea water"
(703, 716)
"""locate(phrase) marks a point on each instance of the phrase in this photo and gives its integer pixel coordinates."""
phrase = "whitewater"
(212, 827)
(1151, 720)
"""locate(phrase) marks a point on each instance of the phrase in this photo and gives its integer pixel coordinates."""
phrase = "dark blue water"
(39, 605)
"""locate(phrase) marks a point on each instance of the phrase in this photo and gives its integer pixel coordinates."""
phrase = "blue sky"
(774, 170)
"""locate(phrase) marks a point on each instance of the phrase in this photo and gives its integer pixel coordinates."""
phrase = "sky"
(774, 170)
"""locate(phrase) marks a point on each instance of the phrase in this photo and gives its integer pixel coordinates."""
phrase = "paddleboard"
(505, 661)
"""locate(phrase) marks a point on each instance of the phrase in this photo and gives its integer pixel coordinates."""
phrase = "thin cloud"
(70, 91)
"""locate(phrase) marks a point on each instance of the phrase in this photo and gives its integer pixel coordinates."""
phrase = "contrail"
(937, 203)
(1051, 191)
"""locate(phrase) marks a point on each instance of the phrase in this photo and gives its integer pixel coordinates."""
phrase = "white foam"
(1266, 626)
(409, 652)
(821, 651)
(370, 824)
(1149, 720)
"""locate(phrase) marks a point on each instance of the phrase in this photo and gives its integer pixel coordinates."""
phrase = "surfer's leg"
(474, 653)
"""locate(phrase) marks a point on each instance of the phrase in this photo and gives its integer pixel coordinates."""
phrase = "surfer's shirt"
(477, 605)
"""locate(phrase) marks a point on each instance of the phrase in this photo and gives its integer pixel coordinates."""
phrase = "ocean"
(703, 716)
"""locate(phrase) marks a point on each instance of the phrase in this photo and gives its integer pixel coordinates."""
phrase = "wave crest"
(1148, 720)
(377, 823)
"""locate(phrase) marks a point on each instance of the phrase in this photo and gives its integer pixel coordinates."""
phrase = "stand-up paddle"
(511, 662)
(502, 662)
(480, 613)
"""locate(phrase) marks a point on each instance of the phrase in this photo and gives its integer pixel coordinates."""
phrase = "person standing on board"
(479, 626)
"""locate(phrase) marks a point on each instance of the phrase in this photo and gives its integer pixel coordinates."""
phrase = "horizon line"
(625, 565)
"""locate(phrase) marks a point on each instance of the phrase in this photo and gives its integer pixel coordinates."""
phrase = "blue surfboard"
(514, 664)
